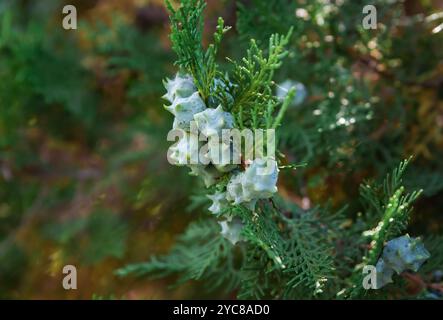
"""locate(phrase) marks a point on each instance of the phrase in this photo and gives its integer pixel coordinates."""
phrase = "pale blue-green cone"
(211, 122)
(219, 202)
(182, 86)
(235, 189)
(384, 274)
(208, 173)
(260, 179)
(405, 253)
(235, 192)
(231, 230)
(224, 156)
(180, 152)
(184, 110)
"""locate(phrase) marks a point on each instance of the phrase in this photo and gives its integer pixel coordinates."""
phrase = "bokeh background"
(83, 173)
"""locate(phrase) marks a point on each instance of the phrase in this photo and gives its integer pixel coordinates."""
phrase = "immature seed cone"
(211, 122)
(231, 230)
(184, 110)
(405, 253)
(182, 86)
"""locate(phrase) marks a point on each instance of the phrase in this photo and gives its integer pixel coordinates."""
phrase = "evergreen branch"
(309, 253)
(375, 196)
(393, 181)
(258, 279)
(299, 248)
(211, 53)
(284, 107)
(187, 36)
(253, 78)
(312, 262)
(199, 254)
(394, 220)
(261, 230)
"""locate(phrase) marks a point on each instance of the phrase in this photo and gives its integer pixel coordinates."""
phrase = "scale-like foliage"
(343, 132)
(187, 37)
(253, 98)
(389, 203)
(199, 254)
(310, 252)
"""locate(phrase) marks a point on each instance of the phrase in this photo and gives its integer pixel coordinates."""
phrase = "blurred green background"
(83, 173)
